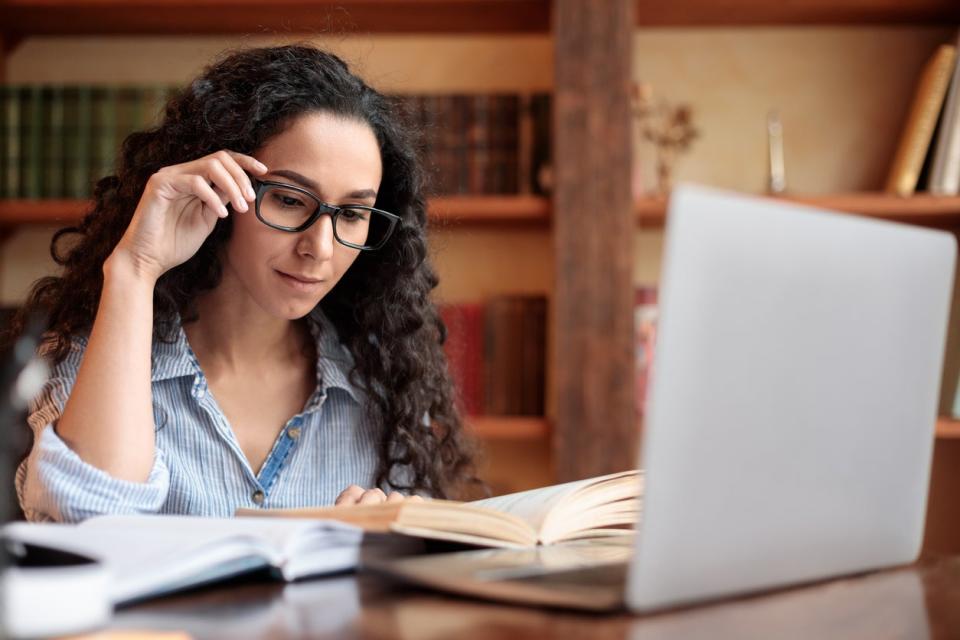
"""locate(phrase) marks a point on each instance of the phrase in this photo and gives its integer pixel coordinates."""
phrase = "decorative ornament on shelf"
(668, 126)
(777, 176)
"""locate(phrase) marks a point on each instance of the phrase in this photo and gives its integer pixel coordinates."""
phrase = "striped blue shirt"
(199, 468)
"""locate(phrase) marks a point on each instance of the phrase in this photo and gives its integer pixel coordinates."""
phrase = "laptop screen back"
(792, 406)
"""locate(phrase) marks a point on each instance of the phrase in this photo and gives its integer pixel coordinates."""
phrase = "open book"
(152, 555)
(597, 507)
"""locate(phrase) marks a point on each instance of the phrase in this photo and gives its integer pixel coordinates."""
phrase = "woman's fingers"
(239, 166)
(350, 495)
(227, 183)
(373, 496)
(355, 494)
(198, 186)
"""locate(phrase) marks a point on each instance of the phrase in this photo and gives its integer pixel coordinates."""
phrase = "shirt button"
(258, 496)
(293, 433)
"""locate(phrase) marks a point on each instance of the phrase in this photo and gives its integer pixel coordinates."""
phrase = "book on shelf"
(514, 346)
(944, 176)
(11, 141)
(478, 143)
(151, 555)
(464, 350)
(496, 354)
(921, 121)
(602, 507)
(645, 315)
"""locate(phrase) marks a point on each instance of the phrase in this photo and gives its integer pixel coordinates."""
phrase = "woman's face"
(287, 274)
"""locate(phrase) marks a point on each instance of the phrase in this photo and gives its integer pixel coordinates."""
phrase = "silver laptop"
(790, 418)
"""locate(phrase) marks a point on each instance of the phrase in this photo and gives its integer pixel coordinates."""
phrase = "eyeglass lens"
(290, 208)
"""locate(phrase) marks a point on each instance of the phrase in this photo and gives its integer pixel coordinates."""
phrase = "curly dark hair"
(381, 308)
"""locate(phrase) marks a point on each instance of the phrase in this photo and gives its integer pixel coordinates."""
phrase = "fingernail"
(242, 205)
(261, 166)
(223, 211)
(250, 193)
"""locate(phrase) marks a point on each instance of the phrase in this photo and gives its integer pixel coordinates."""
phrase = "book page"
(534, 505)
(148, 555)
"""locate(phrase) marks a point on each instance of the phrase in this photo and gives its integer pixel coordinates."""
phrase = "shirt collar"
(334, 362)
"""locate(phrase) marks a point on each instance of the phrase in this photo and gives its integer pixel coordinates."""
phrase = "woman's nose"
(317, 242)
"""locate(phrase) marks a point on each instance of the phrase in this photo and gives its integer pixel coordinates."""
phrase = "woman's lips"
(301, 282)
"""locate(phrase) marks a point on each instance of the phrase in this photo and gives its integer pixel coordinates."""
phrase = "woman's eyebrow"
(304, 181)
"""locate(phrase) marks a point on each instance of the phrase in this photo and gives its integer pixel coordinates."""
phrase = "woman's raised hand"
(180, 206)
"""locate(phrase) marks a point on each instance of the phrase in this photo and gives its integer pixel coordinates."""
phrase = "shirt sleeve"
(54, 484)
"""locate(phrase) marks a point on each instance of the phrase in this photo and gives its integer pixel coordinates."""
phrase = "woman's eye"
(353, 215)
(287, 201)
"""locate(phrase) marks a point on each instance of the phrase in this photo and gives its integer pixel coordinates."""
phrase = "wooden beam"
(282, 17)
(592, 351)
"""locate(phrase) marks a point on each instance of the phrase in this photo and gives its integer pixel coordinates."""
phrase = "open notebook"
(151, 555)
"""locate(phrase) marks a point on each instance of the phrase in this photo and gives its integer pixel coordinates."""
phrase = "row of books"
(496, 351)
(57, 141)
(928, 152)
(482, 143)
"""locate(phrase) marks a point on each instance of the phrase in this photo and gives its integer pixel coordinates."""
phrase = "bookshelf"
(21, 19)
(921, 209)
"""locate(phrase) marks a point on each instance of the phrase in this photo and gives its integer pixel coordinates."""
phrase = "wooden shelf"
(656, 13)
(452, 210)
(923, 209)
(24, 18)
(948, 428)
(490, 209)
(508, 427)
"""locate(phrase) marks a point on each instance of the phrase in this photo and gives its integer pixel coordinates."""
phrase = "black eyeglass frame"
(260, 187)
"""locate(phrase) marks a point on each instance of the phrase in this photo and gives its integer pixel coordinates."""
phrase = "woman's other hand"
(181, 204)
(355, 494)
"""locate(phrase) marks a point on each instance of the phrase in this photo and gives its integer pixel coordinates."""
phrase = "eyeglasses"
(290, 208)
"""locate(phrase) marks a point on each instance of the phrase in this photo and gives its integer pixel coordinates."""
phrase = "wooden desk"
(917, 602)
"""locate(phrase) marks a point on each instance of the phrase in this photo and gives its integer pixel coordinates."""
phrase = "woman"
(244, 318)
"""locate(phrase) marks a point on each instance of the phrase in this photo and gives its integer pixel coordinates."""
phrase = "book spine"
(510, 144)
(478, 144)
(78, 153)
(945, 173)
(460, 143)
(525, 144)
(102, 133)
(53, 138)
(453, 348)
(31, 166)
(13, 150)
(921, 121)
(533, 350)
(4, 135)
(496, 341)
(542, 152)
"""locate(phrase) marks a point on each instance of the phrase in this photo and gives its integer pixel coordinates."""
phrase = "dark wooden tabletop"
(921, 601)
